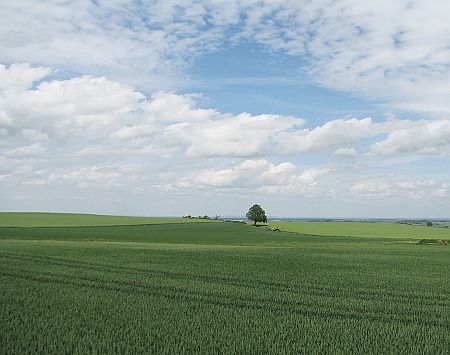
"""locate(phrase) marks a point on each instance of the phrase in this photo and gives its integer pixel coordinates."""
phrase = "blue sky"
(206, 107)
(248, 78)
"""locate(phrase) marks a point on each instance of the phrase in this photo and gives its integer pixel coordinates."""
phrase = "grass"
(219, 288)
(212, 233)
(364, 229)
(37, 219)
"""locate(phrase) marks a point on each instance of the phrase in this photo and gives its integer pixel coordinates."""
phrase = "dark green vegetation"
(256, 214)
(37, 219)
(219, 288)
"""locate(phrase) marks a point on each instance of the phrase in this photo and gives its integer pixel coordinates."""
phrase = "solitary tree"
(256, 214)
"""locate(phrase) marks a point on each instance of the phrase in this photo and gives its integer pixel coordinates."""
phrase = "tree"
(256, 214)
(429, 223)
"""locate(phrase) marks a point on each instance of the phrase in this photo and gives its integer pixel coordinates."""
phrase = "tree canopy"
(256, 214)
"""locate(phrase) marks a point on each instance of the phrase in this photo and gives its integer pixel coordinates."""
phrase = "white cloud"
(90, 114)
(389, 187)
(18, 77)
(248, 173)
(86, 109)
(172, 108)
(147, 42)
(31, 150)
(395, 52)
(83, 134)
(421, 137)
(60, 108)
(204, 132)
(96, 177)
(259, 175)
(370, 49)
(242, 135)
(333, 134)
(125, 60)
(345, 152)
(311, 175)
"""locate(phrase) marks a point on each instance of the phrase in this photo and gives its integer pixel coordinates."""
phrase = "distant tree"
(429, 223)
(256, 214)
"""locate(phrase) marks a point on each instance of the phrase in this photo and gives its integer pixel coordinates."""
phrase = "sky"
(326, 108)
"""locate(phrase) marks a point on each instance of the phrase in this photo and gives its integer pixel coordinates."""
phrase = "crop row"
(70, 298)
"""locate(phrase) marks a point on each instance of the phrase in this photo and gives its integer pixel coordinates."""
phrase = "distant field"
(364, 229)
(20, 219)
(176, 288)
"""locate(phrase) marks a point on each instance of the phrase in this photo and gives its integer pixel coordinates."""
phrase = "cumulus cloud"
(205, 132)
(242, 135)
(95, 134)
(387, 187)
(259, 175)
(98, 177)
(82, 105)
(345, 152)
(248, 173)
(332, 134)
(20, 76)
(173, 108)
(89, 114)
(101, 94)
(421, 137)
(99, 111)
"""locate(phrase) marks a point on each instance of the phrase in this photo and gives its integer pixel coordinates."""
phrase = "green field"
(364, 229)
(219, 288)
(37, 219)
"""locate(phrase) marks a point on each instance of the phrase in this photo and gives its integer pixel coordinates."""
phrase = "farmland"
(364, 229)
(218, 288)
(37, 219)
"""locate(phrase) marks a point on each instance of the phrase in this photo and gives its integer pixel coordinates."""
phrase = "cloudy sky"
(333, 108)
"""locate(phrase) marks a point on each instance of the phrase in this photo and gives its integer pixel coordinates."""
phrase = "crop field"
(175, 288)
(32, 219)
(364, 229)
